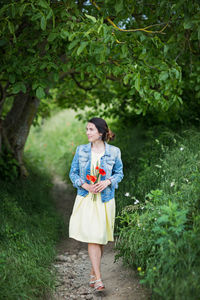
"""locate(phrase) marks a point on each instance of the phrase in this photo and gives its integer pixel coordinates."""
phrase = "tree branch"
(132, 30)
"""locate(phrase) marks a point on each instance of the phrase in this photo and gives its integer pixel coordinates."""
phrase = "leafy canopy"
(91, 54)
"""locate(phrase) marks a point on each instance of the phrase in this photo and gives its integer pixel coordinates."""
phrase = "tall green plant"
(159, 229)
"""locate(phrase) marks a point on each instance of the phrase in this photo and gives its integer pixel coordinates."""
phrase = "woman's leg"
(94, 251)
(89, 250)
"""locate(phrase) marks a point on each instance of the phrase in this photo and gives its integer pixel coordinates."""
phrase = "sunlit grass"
(53, 144)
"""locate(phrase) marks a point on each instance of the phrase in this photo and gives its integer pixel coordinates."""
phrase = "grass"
(53, 144)
(29, 230)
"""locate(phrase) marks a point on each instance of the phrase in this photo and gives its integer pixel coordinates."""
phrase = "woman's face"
(92, 132)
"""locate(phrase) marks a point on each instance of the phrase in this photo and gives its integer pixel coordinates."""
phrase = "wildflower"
(181, 149)
(127, 194)
(142, 207)
(139, 269)
(136, 201)
(172, 183)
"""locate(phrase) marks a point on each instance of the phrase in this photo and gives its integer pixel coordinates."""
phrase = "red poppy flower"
(93, 178)
(97, 168)
(88, 177)
(102, 172)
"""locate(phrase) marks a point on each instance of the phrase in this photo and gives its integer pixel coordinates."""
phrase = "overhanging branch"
(132, 30)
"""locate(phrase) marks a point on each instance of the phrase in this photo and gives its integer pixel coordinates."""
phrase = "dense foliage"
(119, 58)
(133, 56)
(158, 211)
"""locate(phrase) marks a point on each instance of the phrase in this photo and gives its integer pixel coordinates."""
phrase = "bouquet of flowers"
(95, 177)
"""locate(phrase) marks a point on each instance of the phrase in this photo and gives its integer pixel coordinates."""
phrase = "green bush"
(159, 225)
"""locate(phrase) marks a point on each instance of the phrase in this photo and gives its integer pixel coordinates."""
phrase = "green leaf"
(23, 88)
(16, 88)
(81, 47)
(43, 3)
(21, 9)
(11, 27)
(126, 78)
(73, 44)
(43, 23)
(19, 86)
(64, 34)
(124, 50)
(157, 95)
(119, 6)
(91, 18)
(40, 92)
(166, 48)
(99, 29)
(65, 67)
(187, 24)
(13, 10)
(35, 85)
(137, 82)
(163, 76)
(12, 78)
(56, 76)
(52, 36)
(163, 219)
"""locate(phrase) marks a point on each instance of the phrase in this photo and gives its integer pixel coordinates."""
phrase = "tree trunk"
(16, 127)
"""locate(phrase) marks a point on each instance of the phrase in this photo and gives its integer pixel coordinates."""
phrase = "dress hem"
(88, 242)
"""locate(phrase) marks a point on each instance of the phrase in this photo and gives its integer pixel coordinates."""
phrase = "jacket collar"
(87, 148)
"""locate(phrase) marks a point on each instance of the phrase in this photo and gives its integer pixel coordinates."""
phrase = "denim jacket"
(111, 162)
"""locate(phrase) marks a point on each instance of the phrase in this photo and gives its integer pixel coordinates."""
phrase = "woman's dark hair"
(102, 127)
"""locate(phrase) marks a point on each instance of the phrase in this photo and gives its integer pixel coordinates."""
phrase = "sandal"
(92, 282)
(100, 286)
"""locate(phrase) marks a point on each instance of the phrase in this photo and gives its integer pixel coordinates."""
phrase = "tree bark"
(16, 127)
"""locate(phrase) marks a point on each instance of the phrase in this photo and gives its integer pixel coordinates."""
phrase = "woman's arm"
(117, 175)
(75, 177)
(74, 171)
(117, 172)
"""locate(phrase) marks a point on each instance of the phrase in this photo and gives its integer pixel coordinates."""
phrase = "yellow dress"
(92, 221)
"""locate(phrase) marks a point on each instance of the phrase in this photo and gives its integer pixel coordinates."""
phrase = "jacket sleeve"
(74, 171)
(117, 172)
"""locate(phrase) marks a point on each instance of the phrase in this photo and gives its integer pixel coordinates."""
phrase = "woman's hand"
(100, 186)
(89, 187)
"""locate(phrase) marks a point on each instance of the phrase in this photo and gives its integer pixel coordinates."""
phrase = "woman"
(93, 216)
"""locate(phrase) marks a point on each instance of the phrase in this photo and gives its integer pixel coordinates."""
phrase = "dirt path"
(73, 265)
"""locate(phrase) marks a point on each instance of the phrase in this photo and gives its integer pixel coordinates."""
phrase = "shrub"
(159, 225)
